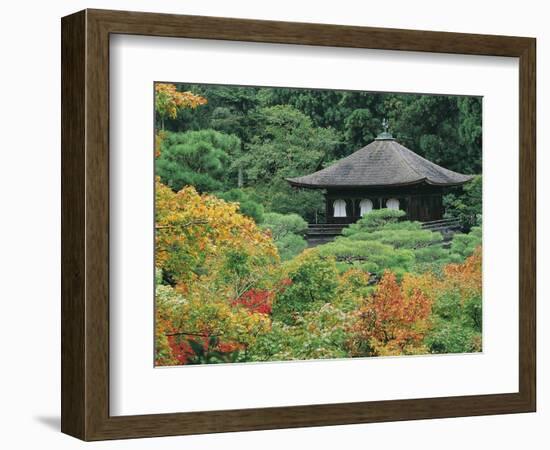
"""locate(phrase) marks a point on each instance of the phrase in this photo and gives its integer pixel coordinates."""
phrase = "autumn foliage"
(400, 318)
(224, 296)
(235, 283)
(168, 100)
(256, 301)
(464, 278)
(199, 234)
(216, 266)
(393, 320)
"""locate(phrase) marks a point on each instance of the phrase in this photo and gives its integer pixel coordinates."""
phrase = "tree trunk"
(240, 178)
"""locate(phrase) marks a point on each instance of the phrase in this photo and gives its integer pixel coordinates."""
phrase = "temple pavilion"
(383, 174)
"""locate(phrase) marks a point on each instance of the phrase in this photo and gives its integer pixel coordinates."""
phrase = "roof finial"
(385, 135)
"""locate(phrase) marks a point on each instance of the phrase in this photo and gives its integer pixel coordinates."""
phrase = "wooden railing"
(325, 229)
(326, 232)
(442, 224)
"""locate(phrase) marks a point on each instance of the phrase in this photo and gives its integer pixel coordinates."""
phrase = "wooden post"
(327, 209)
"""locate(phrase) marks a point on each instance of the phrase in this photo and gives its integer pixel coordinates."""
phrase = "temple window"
(339, 208)
(392, 203)
(365, 206)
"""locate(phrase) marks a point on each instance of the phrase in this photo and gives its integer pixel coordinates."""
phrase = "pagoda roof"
(383, 162)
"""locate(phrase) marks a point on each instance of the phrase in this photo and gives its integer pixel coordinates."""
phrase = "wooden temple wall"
(421, 206)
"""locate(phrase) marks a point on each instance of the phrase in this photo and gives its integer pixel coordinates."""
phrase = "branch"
(204, 335)
(185, 333)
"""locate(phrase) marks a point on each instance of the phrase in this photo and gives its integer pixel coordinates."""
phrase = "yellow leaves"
(207, 311)
(159, 137)
(168, 100)
(197, 235)
(464, 278)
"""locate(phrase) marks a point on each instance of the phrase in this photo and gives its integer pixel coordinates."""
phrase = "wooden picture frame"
(85, 224)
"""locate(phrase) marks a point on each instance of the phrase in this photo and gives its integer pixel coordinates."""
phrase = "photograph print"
(299, 224)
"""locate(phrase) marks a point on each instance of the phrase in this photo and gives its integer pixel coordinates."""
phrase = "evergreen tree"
(196, 158)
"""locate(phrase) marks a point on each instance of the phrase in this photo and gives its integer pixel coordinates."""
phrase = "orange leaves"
(396, 318)
(466, 278)
(403, 304)
(393, 320)
(417, 303)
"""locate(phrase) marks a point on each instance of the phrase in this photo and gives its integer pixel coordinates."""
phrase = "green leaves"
(375, 220)
(361, 127)
(196, 158)
(371, 256)
(248, 202)
(466, 203)
(443, 129)
(316, 334)
(208, 353)
(282, 225)
(286, 144)
(458, 308)
(287, 231)
(313, 281)
(225, 213)
(198, 348)
(380, 241)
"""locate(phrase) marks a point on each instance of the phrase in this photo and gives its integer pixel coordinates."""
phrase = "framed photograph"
(272, 225)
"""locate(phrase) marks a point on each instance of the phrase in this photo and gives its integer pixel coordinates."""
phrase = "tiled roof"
(384, 162)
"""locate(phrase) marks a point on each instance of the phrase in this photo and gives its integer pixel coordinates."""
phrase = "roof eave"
(456, 183)
(377, 186)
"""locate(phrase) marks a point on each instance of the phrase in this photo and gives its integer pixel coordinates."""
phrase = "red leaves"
(285, 282)
(261, 301)
(183, 352)
(256, 301)
(228, 347)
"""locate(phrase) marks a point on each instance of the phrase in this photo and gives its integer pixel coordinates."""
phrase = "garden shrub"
(465, 203)
(457, 308)
(248, 204)
(287, 231)
(313, 280)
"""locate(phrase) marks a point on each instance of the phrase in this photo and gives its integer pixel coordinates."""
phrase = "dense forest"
(235, 281)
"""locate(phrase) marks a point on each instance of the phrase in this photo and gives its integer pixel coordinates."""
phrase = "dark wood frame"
(85, 224)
